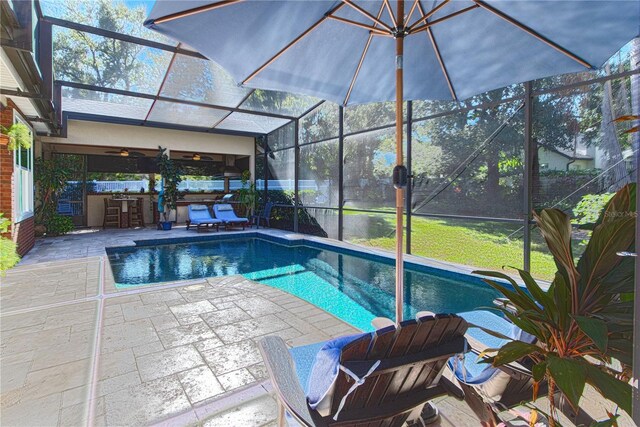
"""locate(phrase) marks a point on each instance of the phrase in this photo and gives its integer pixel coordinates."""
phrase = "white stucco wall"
(115, 136)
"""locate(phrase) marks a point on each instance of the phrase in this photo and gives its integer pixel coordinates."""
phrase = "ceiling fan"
(126, 153)
(197, 157)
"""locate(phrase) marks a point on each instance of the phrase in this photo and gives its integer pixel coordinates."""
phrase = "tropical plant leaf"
(621, 279)
(562, 298)
(555, 227)
(539, 371)
(623, 202)
(569, 375)
(512, 351)
(490, 332)
(535, 290)
(626, 118)
(610, 387)
(600, 257)
(595, 329)
(520, 299)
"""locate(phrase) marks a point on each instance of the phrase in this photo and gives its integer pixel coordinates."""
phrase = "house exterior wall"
(555, 161)
(22, 232)
(116, 136)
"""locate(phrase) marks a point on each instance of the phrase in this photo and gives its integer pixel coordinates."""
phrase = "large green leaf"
(520, 299)
(611, 388)
(555, 227)
(600, 257)
(569, 375)
(623, 201)
(620, 279)
(561, 294)
(512, 351)
(595, 329)
(539, 371)
(536, 291)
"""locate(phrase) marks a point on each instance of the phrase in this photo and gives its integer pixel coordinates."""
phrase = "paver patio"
(77, 351)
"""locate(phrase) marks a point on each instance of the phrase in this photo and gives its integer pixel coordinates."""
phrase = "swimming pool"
(352, 285)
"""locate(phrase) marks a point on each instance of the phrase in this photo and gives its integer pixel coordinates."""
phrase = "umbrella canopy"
(355, 52)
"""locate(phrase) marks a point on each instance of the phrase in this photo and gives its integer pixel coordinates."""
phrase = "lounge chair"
(264, 215)
(224, 212)
(387, 375)
(489, 391)
(200, 217)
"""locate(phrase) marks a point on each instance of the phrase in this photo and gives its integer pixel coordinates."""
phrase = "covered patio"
(104, 98)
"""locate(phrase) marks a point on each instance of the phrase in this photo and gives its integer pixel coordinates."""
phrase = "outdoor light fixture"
(196, 157)
(124, 152)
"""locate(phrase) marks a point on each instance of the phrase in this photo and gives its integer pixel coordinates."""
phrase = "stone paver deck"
(75, 350)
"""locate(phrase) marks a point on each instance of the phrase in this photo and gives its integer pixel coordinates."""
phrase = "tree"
(95, 60)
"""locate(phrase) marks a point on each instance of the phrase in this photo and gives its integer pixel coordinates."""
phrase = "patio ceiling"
(173, 87)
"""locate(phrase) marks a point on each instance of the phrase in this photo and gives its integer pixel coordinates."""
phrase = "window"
(23, 178)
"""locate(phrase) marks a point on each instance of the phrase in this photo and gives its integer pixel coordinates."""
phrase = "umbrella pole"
(399, 165)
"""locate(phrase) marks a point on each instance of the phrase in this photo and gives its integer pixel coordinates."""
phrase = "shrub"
(588, 210)
(59, 224)
(8, 255)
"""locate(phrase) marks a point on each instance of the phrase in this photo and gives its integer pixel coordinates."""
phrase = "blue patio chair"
(224, 212)
(264, 214)
(64, 208)
(200, 217)
(488, 390)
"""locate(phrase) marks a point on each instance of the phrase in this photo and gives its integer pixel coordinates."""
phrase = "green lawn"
(485, 245)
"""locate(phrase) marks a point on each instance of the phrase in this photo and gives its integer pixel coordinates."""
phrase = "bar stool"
(111, 214)
(136, 217)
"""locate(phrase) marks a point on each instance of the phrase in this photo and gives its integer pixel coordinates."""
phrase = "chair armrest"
(283, 376)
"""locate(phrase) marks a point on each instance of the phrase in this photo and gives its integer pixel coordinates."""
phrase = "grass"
(485, 245)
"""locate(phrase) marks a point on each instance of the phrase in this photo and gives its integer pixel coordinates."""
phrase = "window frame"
(23, 178)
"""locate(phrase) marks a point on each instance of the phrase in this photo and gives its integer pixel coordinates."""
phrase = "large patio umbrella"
(355, 52)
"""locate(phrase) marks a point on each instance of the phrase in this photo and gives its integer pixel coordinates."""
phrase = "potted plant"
(168, 196)
(247, 195)
(585, 318)
(19, 136)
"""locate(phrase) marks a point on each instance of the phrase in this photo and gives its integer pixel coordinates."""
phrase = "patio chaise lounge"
(225, 213)
(200, 217)
(379, 378)
(488, 390)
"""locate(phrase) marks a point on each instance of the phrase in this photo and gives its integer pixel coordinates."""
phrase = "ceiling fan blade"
(136, 154)
(112, 152)
(206, 158)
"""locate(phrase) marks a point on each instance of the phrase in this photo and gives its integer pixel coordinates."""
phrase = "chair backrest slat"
(352, 351)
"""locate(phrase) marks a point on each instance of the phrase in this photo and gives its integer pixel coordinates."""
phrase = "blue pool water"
(352, 285)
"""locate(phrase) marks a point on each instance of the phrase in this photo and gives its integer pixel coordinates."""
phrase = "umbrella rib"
(436, 49)
(391, 15)
(292, 43)
(413, 7)
(427, 15)
(533, 33)
(444, 18)
(364, 53)
(194, 11)
(367, 14)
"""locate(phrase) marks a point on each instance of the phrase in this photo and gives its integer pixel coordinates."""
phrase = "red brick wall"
(24, 235)
(6, 167)
(23, 232)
